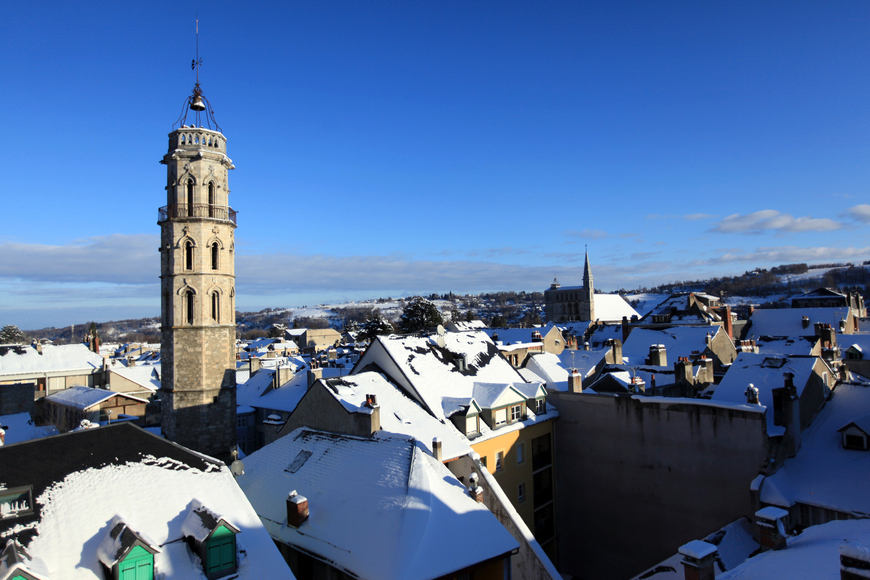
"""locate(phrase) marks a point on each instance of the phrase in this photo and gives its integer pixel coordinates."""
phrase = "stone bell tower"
(197, 274)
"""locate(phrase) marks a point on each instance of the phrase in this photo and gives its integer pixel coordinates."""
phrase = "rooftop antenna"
(197, 101)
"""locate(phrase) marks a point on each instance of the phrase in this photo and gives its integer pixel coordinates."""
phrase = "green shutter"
(138, 565)
(221, 551)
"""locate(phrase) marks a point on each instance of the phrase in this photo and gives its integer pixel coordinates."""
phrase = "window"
(215, 256)
(211, 200)
(189, 303)
(521, 493)
(188, 255)
(16, 502)
(541, 452)
(541, 407)
(190, 198)
(471, 425)
(483, 460)
(521, 452)
(854, 442)
(515, 412)
(500, 417)
(499, 460)
(138, 565)
(221, 551)
(216, 306)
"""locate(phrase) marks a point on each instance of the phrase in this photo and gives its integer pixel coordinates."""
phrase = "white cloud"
(587, 234)
(699, 216)
(860, 213)
(771, 219)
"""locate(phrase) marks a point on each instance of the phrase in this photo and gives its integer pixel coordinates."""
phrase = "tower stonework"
(197, 273)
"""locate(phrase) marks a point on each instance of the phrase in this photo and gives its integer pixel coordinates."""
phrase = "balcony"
(197, 210)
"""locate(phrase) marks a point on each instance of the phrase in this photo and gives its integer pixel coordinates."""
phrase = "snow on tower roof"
(419, 521)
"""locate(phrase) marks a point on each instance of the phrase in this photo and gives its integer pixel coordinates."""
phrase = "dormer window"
(213, 538)
(127, 554)
(540, 406)
(855, 435)
(516, 413)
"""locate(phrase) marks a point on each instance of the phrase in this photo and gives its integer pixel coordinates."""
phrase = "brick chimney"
(854, 562)
(729, 326)
(683, 371)
(770, 526)
(575, 381)
(699, 559)
(297, 509)
(536, 337)
(637, 384)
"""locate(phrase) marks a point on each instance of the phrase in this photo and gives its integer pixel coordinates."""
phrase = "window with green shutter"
(138, 565)
(221, 550)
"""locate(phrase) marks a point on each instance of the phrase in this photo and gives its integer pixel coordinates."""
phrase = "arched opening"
(211, 200)
(189, 304)
(215, 256)
(188, 255)
(190, 198)
(216, 306)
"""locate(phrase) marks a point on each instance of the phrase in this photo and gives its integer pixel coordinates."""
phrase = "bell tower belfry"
(197, 281)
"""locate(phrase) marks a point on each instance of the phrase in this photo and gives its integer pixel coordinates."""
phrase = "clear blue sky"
(395, 148)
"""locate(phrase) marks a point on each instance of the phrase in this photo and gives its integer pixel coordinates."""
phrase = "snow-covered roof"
(807, 477)
(766, 373)
(399, 413)
(122, 470)
(678, 341)
(612, 308)
(20, 427)
(201, 522)
(463, 325)
(584, 361)
(509, 336)
(429, 371)
(118, 541)
(147, 375)
(815, 553)
(86, 397)
(733, 542)
(54, 358)
(786, 345)
(491, 395)
(405, 516)
(257, 392)
(789, 321)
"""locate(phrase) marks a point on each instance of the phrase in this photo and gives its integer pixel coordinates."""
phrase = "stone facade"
(571, 302)
(197, 269)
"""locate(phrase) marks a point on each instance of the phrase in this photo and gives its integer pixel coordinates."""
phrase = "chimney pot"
(436, 449)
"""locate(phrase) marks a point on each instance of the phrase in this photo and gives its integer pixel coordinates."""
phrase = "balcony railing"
(197, 210)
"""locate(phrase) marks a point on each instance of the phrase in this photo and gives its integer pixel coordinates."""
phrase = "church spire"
(587, 275)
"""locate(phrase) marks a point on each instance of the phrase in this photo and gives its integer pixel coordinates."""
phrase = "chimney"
(626, 330)
(254, 363)
(614, 356)
(436, 449)
(297, 509)
(586, 345)
(536, 337)
(729, 327)
(652, 382)
(751, 395)
(658, 355)
(770, 527)
(283, 374)
(791, 415)
(683, 371)
(634, 319)
(575, 381)
(495, 337)
(705, 373)
(698, 561)
(805, 322)
(39, 347)
(638, 385)
(314, 375)
(708, 339)
(854, 562)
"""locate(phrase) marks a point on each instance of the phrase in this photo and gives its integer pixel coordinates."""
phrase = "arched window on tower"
(188, 255)
(216, 306)
(215, 256)
(188, 306)
(190, 197)
(211, 200)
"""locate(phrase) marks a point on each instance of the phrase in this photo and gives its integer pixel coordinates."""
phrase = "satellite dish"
(440, 329)
(237, 468)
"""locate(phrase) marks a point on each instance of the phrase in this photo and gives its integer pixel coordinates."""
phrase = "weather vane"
(197, 101)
